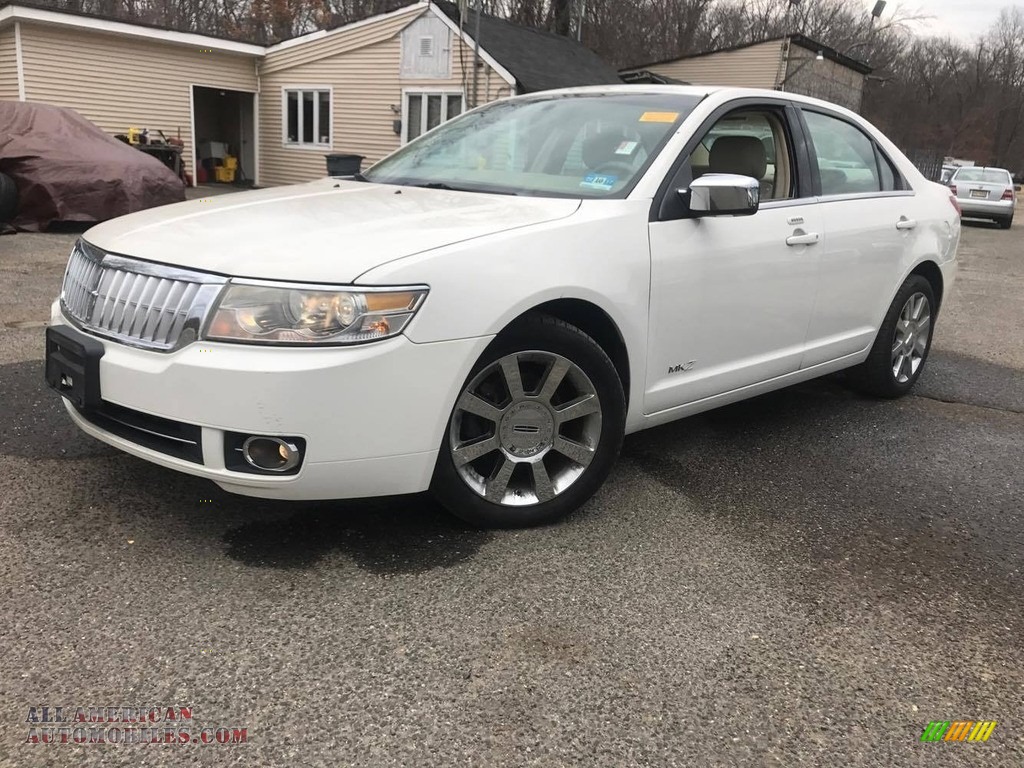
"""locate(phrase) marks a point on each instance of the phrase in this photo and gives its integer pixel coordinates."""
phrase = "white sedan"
(490, 309)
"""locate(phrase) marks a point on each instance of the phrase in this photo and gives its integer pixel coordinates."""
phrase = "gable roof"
(538, 60)
(801, 40)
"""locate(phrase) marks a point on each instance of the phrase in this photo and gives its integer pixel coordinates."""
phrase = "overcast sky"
(965, 19)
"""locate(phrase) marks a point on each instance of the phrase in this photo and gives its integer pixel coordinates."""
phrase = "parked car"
(492, 307)
(985, 193)
(57, 167)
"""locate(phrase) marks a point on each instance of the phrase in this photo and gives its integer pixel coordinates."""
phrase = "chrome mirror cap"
(722, 194)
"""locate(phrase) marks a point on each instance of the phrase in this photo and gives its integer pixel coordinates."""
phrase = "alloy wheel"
(525, 428)
(910, 340)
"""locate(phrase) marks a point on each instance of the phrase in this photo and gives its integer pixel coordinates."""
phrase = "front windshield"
(566, 145)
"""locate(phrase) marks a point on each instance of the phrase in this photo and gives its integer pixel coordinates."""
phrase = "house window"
(424, 111)
(307, 117)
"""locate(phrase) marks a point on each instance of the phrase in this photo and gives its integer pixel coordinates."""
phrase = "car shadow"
(979, 223)
(387, 536)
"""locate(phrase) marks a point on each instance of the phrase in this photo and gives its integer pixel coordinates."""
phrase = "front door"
(731, 297)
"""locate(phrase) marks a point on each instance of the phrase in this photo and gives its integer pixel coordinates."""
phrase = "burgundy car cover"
(68, 170)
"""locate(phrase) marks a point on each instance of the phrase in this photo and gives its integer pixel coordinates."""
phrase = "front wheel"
(903, 342)
(535, 430)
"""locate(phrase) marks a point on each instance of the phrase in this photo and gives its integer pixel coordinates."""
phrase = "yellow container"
(225, 174)
(230, 161)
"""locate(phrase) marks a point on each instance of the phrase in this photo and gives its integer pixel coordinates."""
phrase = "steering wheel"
(615, 167)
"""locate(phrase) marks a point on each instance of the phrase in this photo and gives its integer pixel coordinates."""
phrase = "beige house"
(794, 63)
(364, 88)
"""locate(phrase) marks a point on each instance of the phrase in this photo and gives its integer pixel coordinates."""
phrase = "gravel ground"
(807, 578)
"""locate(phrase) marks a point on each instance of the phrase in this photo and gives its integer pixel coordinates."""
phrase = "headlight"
(311, 314)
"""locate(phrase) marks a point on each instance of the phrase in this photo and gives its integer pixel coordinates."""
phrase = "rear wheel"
(8, 198)
(1006, 223)
(903, 342)
(535, 430)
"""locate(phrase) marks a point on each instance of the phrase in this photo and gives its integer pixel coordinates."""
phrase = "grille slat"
(134, 301)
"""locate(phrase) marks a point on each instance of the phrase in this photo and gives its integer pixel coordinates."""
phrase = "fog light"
(271, 453)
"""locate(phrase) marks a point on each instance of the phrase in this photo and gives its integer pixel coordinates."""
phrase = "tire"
(896, 361)
(497, 482)
(1006, 223)
(8, 198)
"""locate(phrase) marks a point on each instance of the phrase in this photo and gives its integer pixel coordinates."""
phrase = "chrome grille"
(136, 302)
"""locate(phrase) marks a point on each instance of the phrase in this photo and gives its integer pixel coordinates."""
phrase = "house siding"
(828, 80)
(362, 66)
(757, 66)
(8, 65)
(117, 82)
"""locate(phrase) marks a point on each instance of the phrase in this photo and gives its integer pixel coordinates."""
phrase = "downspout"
(476, 56)
(256, 124)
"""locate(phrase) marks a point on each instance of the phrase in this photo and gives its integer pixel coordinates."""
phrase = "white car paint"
(710, 310)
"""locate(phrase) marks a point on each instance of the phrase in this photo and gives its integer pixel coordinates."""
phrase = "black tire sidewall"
(8, 199)
(875, 374)
(547, 335)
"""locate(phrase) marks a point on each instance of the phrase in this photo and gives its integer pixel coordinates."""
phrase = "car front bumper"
(372, 416)
(986, 208)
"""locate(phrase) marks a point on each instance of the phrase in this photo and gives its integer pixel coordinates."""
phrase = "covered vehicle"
(68, 170)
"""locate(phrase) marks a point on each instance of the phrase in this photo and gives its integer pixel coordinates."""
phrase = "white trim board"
(322, 33)
(19, 60)
(127, 29)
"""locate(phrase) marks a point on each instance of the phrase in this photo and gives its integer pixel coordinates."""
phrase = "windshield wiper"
(451, 188)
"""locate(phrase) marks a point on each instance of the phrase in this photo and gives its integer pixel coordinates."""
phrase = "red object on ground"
(200, 175)
(68, 170)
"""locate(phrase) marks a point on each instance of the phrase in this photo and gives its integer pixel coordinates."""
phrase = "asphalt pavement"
(807, 578)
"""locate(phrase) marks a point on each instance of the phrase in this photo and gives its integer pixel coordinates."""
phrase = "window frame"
(902, 187)
(303, 145)
(444, 93)
(668, 207)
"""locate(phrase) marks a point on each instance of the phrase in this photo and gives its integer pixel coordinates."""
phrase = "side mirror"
(722, 194)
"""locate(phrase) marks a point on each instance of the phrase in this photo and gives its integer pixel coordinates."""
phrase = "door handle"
(803, 238)
(905, 223)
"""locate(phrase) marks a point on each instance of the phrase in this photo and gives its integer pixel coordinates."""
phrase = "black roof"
(538, 60)
(802, 40)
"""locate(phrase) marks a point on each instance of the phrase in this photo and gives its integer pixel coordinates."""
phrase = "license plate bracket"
(73, 365)
(979, 193)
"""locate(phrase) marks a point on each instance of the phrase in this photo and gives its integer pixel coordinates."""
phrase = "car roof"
(695, 90)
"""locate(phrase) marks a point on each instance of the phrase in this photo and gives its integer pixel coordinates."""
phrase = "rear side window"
(848, 161)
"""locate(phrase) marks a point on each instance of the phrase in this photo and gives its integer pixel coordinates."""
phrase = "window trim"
(903, 188)
(445, 93)
(301, 145)
(663, 207)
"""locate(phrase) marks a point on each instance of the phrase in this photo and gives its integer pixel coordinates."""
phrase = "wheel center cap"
(526, 429)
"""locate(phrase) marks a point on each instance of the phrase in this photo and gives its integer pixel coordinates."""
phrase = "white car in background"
(491, 308)
(985, 193)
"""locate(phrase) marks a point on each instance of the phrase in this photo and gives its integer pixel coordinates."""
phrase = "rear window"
(984, 175)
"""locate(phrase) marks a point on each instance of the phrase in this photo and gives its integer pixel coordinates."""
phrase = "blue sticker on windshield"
(601, 181)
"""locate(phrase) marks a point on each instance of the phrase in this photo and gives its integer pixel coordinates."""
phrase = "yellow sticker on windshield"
(659, 117)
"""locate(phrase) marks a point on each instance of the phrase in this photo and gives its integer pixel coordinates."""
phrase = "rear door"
(871, 216)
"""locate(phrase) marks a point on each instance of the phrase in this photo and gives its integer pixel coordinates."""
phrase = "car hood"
(325, 231)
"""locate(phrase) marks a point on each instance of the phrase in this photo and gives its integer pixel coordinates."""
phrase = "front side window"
(426, 111)
(750, 143)
(307, 117)
(848, 161)
(578, 145)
